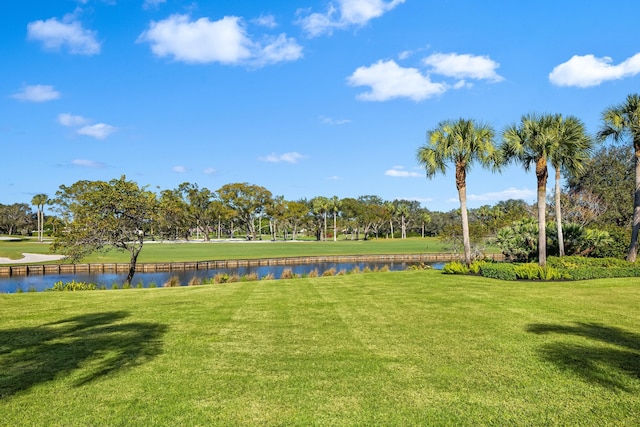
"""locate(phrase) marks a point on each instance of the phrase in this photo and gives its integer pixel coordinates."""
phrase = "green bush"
(502, 271)
(455, 267)
(528, 271)
(73, 286)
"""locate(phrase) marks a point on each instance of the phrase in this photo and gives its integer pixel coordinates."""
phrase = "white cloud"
(347, 14)
(463, 66)
(291, 157)
(210, 171)
(149, 4)
(400, 172)
(224, 41)
(330, 121)
(334, 178)
(179, 169)
(37, 93)
(98, 131)
(67, 33)
(587, 70)
(388, 80)
(88, 163)
(509, 193)
(268, 21)
(66, 119)
(278, 49)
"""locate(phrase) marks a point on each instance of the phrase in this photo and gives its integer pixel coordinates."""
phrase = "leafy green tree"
(15, 218)
(172, 219)
(295, 214)
(605, 187)
(461, 142)
(571, 148)
(619, 122)
(198, 203)
(531, 142)
(247, 201)
(104, 215)
(39, 200)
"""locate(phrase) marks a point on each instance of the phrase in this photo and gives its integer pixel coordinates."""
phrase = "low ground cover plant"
(557, 268)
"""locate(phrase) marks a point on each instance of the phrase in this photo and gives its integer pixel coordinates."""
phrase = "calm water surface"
(145, 280)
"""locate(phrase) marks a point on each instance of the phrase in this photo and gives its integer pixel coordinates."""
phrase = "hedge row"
(565, 268)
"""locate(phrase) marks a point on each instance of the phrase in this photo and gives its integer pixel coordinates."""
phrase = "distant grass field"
(393, 349)
(197, 251)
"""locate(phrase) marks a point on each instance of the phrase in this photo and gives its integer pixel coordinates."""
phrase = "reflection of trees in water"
(90, 346)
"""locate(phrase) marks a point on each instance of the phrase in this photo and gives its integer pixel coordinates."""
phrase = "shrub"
(195, 281)
(234, 278)
(455, 267)
(528, 271)
(313, 273)
(221, 278)
(173, 282)
(287, 273)
(251, 277)
(329, 272)
(73, 286)
(355, 270)
(268, 277)
(502, 271)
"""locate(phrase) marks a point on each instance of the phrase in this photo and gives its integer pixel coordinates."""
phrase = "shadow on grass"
(85, 347)
(611, 357)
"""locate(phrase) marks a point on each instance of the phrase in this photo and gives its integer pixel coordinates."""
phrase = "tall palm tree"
(461, 142)
(334, 206)
(39, 200)
(570, 150)
(321, 206)
(620, 121)
(403, 211)
(532, 142)
(391, 209)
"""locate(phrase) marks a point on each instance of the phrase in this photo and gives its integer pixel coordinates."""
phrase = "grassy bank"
(198, 251)
(407, 348)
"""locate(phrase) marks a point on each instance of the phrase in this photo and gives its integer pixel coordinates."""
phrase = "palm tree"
(39, 200)
(321, 206)
(460, 142)
(532, 142)
(403, 211)
(620, 121)
(571, 149)
(391, 209)
(334, 206)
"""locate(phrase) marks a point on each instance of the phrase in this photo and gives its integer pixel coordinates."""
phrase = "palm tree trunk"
(633, 247)
(541, 175)
(559, 215)
(335, 234)
(466, 241)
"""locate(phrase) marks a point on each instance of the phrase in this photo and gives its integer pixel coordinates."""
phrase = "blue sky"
(306, 98)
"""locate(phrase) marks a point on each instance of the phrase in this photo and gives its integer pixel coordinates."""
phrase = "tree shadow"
(88, 347)
(610, 365)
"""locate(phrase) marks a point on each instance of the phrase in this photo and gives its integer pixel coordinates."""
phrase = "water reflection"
(145, 280)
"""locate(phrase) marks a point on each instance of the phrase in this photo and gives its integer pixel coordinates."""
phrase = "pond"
(37, 283)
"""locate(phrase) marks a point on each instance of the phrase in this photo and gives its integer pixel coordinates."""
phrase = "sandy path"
(31, 258)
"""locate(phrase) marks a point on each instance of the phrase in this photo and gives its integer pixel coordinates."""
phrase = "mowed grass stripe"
(400, 348)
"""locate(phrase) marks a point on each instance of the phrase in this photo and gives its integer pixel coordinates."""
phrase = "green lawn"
(167, 252)
(401, 348)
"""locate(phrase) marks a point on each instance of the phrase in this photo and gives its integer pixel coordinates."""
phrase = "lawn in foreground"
(401, 348)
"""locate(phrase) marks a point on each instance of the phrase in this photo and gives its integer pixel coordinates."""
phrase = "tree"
(321, 205)
(606, 184)
(16, 218)
(247, 201)
(621, 121)
(403, 211)
(532, 142)
(39, 201)
(198, 206)
(461, 142)
(104, 215)
(570, 149)
(334, 207)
